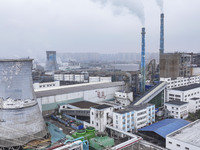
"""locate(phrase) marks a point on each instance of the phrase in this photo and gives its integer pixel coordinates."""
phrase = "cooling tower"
(51, 64)
(20, 117)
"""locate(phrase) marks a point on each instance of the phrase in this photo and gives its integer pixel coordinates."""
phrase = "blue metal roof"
(165, 127)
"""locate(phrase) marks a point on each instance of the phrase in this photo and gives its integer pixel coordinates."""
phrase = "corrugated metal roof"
(72, 89)
(165, 127)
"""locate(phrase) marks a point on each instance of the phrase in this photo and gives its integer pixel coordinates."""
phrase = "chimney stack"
(142, 87)
(162, 33)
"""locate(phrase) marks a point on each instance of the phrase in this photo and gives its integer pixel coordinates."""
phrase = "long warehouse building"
(49, 98)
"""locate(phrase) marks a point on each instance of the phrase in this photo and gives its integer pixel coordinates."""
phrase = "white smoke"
(135, 7)
(160, 4)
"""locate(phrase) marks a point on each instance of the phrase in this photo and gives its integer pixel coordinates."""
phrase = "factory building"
(100, 116)
(194, 104)
(124, 98)
(69, 77)
(180, 81)
(46, 84)
(176, 109)
(49, 98)
(20, 117)
(184, 93)
(132, 118)
(173, 65)
(185, 138)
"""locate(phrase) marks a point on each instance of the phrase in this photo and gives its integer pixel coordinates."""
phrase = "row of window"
(178, 145)
(48, 85)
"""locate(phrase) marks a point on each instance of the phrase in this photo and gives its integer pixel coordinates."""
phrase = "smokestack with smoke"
(143, 79)
(135, 7)
(160, 4)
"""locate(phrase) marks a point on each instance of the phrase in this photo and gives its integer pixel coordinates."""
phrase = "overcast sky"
(30, 27)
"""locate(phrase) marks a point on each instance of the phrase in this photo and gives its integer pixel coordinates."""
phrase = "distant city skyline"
(30, 28)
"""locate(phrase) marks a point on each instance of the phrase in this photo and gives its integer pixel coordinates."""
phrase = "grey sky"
(30, 27)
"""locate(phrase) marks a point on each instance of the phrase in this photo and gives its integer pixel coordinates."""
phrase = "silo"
(20, 118)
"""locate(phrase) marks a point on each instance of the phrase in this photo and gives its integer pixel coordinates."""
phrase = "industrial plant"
(71, 105)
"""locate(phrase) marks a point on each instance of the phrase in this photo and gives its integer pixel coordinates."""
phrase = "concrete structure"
(46, 85)
(177, 109)
(180, 81)
(186, 138)
(184, 93)
(51, 64)
(196, 71)
(123, 98)
(194, 104)
(162, 33)
(20, 118)
(132, 118)
(100, 116)
(49, 98)
(143, 68)
(173, 65)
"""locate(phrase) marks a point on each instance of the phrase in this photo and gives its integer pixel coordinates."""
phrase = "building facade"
(132, 118)
(173, 65)
(184, 93)
(180, 81)
(123, 98)
(100, 116)
(176, 109)
(194, 104)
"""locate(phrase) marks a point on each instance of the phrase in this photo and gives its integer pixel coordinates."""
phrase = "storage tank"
(20, 117)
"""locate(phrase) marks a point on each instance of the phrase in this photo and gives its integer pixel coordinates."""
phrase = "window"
(186, 148)
(97, 124)
(92, 122)
(170, 142)
(116, 117)
(178, 145)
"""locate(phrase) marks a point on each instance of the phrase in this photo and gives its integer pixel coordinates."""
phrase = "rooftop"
(165, 127)
(195, 98)
(103, 106)
(132, 107)
(84, 104)
(176, 102)
(188, 87)
(16, 60)
(43, 92)
(189, 134)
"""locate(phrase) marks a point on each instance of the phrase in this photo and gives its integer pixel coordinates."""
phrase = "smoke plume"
(160, 4)
(134, 7)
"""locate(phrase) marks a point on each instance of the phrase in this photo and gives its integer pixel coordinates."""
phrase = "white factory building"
(184, 93)
(186, 138)
(194, 104)
(177, 109)
(69, 77)
(124, 98)
(49, 98)
(133, 117)
(100, 116)
(46, 85)
(180, 81)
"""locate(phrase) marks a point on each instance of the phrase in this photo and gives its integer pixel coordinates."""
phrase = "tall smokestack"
(142, 87)
(162, 33)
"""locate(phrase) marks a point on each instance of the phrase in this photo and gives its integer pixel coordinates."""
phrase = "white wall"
(193, 105)
(177, 111)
